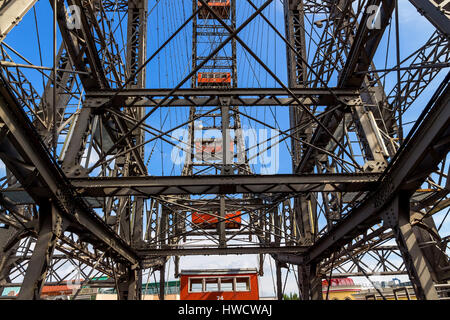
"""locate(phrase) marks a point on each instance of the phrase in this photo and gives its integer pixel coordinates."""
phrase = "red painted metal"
(208, 221)
(215, 147)
(339, 282)
(227, 294)
(56, 290)
(221, 7)
(214, 79)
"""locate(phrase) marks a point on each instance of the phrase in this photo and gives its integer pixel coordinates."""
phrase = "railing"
(399, 292)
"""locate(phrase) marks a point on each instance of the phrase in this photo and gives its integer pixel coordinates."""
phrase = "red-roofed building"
(340, 289)
(57, 290)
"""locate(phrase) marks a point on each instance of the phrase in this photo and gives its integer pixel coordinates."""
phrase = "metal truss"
(79, 193)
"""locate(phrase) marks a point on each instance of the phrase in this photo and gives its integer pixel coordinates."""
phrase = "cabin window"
(242, 284)
(226, 284)
(196, 285)
(211, 284)
(219, 284)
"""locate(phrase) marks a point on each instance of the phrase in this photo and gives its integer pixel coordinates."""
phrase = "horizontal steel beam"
(368, 274)
(202, 251)
(256, 184)
(253, 97)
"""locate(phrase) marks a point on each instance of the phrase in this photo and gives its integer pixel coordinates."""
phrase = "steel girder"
(425, 66)
(420, 156)
(364, 46)
(12, 11)
(334, 45)
(210, 97)
(26, 153)
(94, 43)
(272, 248)
(148, 186)
(131, 221)
(116, 5)
(104, 72)
(107, 75)
(294, 12)
(413, 81)
(359, 59)
(437, 12)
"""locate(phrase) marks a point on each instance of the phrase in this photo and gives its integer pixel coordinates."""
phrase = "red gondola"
(210, 149)
(208, 221)
(220, 7)
(214, 79)
(229, 284)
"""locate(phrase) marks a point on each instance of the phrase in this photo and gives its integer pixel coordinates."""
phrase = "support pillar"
(177, 266)
(162, 282)
(5, 255)
(138, 221)
(415, 262)
(221, 224)
(310, 285)
(433, 247)
(279, 282)
(50, 226)
(130, 285)
(261, 265)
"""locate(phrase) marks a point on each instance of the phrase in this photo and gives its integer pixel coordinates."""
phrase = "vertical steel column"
(297, 70)
(221, 224)
(6, 254)
(138, 221)
(437, 13)
(415, 262)
(50, 226)
(206, 29)
(135, 58)
(279, 281)
(130, 285)
(309, 282)
(162, 282)
(297, 76)
(433, 247)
